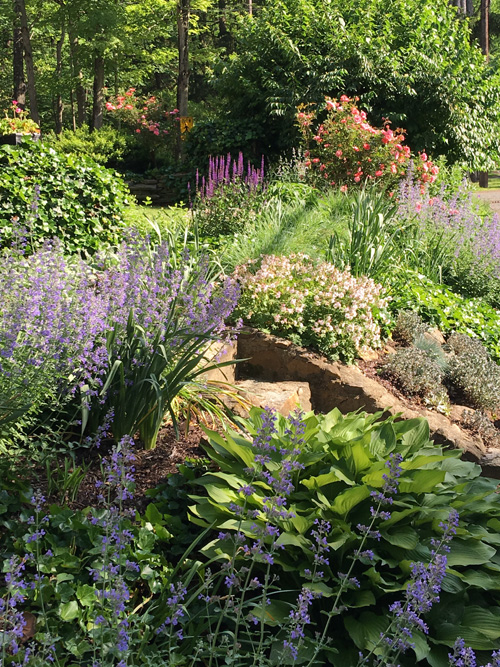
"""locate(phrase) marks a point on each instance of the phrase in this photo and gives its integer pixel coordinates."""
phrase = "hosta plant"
(296, 507)
(312, 303)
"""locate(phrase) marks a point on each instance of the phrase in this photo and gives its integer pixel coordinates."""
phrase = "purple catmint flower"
(462, 656)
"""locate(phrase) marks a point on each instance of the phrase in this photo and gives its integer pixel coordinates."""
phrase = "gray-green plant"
(472, 371)
(409, 325)
(415, 372)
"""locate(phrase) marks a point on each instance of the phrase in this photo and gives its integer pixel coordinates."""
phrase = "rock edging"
(334, 384)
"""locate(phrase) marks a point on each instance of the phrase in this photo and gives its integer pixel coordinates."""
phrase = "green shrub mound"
(440, 307)
(44, 194)
(343, 461)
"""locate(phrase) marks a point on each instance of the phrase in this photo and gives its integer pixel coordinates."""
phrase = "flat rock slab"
(283, 396)
(335, 385)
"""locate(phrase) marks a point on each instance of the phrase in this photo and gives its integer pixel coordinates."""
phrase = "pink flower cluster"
(311, 302)
(143, 114)
(346, 150)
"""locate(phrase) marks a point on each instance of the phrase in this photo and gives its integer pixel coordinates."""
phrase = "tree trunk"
(80, 92)
(18, 62)
(98, 93)
(183, 12)
(20, 8)
(58, 102)
(485, 31)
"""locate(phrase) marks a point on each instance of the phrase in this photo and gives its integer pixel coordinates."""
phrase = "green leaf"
(87, 595)
(68, 611)
(402, 536)
(469, 552)
(345, 501)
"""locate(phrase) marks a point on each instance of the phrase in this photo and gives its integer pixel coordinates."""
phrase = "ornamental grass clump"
(311, 303)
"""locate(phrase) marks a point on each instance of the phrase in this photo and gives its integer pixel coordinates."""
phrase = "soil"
(152, 467)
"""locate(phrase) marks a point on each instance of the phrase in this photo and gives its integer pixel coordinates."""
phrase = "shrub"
(415, 372)
(45, 194)
(345, 150)
(440, 307)
(230, 197)
(105, 146)
(312, 303)
(19, 122)
(473, 373)
(409, 325)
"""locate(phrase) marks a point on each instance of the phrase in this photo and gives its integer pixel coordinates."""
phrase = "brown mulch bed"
(151, 467)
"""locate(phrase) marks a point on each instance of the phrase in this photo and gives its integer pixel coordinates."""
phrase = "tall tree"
(18, 61)
(20, 10)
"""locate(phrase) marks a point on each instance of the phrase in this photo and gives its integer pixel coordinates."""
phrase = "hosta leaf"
(422, 481)
(414, 433)
(402, 536)
(482, 579)
(314, 483)
(469, 552)
(366, 632)
(345, 501)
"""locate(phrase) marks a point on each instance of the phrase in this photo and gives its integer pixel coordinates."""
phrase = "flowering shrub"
(147, 117)
(345, 150)
(229, 197)
(314, 304)
(19, 122)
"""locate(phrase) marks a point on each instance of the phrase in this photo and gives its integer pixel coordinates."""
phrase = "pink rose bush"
(345, 150)
(312, 303)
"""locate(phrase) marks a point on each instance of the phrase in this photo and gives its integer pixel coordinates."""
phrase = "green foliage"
(341, 461)
(440, 307)
(411, 62)
(44, 194)
(416, 373)
(312, 303)
(106, 146)
(473, 373)
(372, 233)
(409, 325)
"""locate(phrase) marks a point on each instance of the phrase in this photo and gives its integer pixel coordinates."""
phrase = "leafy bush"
(416, 373)
(473, 373)
(230, 197)
(409, 325)
(440, 307)
(106, 146)
(46, 194)
(312, 303)
(306, 486)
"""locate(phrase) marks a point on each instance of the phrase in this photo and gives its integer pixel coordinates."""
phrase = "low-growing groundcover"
(291, 548)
